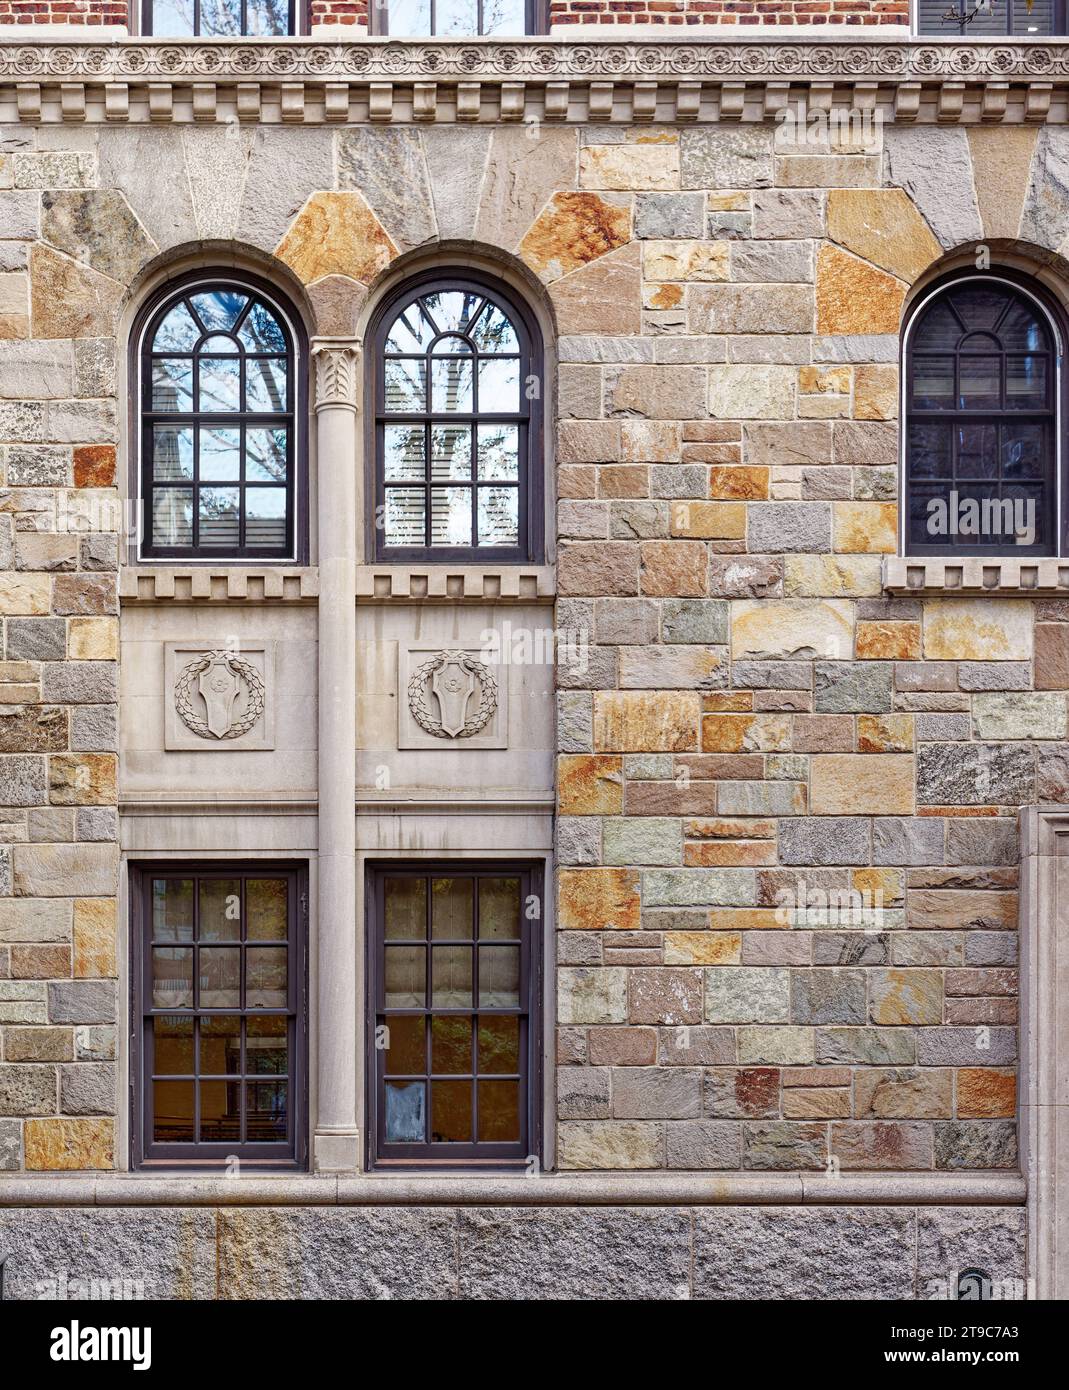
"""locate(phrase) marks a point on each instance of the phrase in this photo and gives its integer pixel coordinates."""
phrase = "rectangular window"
(457, 19)
(994, 19)
(454, 1036)
(219, 19)
(220, 1018)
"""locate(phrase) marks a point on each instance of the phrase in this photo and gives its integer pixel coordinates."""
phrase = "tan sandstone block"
(604, 296)
(885, 733)
(853, 297)
(746, 392)
(866, 528)
(824, 380)
(14, 305)
(336, 233)
(857, 784)
(95, 930)
(639, 721)
(1002, 163)
(906, 996)
(599, 900)
(709, 520)
(93, 639)
(82, 779)
(629, 167)
(572, 230)
(876, 393)
(795, 628)
(747, 483)
(685, 260)
(888, 641)
(674, 569)
(882, 226)
(745, 733)
(831, 576)
(975, 629)
(69, 1145)
(702, 948)
(68, 300)
(590, 784)
(25, 593)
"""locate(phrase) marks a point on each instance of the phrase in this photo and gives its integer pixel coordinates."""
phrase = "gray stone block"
(87, 1088)
(668, 215)
(583, 1093)
(26, 1089)
(881, 1047)
(983, 841)
(828, 996)
(784, 1146)
(81, 1001)
(10, 1147)
(905, 841)
(978, 774)
(963, 1144)
(953, 1239)
(848, 687)
(726, 156)
(824, 840)
(966, 1047)
(695, 620)
(654, 1093)
(22, 781)
(935, 168)
(994, 675)
(708, 1145)
(579, 840)
(797, 527)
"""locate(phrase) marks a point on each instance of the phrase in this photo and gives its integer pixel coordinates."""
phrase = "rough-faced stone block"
(861, 784)
(978, 774)
(825, 840)
(610, 1144)
(725, 156)
(827, 996)
(742, 994)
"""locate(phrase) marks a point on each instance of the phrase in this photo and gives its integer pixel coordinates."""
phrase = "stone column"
(336, 1146)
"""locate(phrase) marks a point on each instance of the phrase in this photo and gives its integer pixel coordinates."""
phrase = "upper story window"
(219, 19)
(984, 19)
(982, 388)
(457, 373)
(219, 425)
(457, 19)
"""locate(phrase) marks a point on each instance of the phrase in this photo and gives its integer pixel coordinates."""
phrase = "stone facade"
(780, 799)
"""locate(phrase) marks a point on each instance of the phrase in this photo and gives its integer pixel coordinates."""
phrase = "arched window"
(219, 423)
(981, 438)
(457, 393)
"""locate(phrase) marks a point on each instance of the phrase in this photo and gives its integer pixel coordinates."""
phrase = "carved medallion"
(219, 678)
(452, 695)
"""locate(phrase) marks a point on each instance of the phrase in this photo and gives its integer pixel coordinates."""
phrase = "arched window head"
(981, 440)
(219, 425)
(458, 399)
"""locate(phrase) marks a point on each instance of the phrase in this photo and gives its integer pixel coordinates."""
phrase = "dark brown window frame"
(140, 416)
(530, 533)
(1054, 503)
(145, 1152)
(962, 29)
(537, 22)
(455, 1156)
(298, 20)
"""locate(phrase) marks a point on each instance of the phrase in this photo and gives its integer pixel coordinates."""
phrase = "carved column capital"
(337, 361)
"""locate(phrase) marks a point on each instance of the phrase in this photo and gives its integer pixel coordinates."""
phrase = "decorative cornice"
(382, 80)
(217, 584)
(976, 575)
(442, 583)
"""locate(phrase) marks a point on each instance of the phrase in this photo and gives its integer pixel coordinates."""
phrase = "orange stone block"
(600, 900)
(574, 229)
(642, 721)
(986, 1093)
(94, 465)
(726, 701)
(746, 483)
(730, 829)
(590, 784)
(708, 854)
(674, 569)
(69, 1145)
(885, 733)
(878, 641)
(745, 733)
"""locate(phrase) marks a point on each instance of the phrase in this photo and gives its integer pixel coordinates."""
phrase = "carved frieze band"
(336, 366)
(388, 80)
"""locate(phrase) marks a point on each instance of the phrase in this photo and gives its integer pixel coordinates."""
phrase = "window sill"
(450, 583)
(217, 583)
(969, 575)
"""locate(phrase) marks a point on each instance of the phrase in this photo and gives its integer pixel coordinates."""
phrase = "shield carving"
(453, 684)
(219, 686)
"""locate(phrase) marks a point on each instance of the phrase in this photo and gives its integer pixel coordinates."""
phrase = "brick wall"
(721, 12)
(63, 12)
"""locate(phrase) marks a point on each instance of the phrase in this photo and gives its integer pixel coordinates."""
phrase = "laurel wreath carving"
(183, 694)
(417, 688)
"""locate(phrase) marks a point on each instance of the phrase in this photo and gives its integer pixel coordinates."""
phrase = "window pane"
(406, 1118)
(933, 383)
(220, 977)
(220, 1045)
(266, 18)
(220, 18)
(218, 309)
(456, 17)
(405, 977)
(1024, 451)
(260, 330)
(1021, 330)
(172, 383)
(267, 1045)
(266, 977)
(403, 452)
(499, 385)
(220, 454)
(268, 1111)
(172, 516)
(450, 1045)
(172, 1108)
(406, 1053)
(451, 384)
(492, 330)
(220, 909)
(450, 516)
(499, 1112)
(220, 1111)
(499, 909)
(450, 452)
(406, 908)
(172, 452)
(929, 450)
(172, 909)
(265, 517)
(265, 455)
(405, 385)
(451, 309)
(266, 387)
(977, 451)
(172, 1044)
(499, 977)
(980, 306)
(172, 977)
(177, 332)
(452, 903)
(499, 516)
(404, 519)
(411, 331)
(499, 452)
(504, 18)
(218, 516)
(267, 905)
(980, 387)
(1026, 383)
(451, 977)
(499, 1043)
(451, 1112)
(220, 384)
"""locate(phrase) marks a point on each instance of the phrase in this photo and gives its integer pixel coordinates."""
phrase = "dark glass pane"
(267, 1045)
(268, 1111)
(172, 516)
(1026, 383)
(499, 515)
(406, 1112)
(220, 977)
(982, 518)
(177, 332)
(265, 455)
(406, 1053)
(172, 453)
(172, 1117)
(406, 908)
(450, 516)
(220, 454)
(220, 1045)
(1033, 19)
(499, 452)
(406, 976)
(406, 386)
(220, 909)
(172, 383)
(451, 343)
(266, 386)
(266, 977)
(452, 903)
(172, 909)
(499, 1112)
(172, 977)
(977, 451)
(450, 452)
(260, 330)
(265, 517)
(403, 453)
(267, 905)
(499, 909)
(450, 1044)
(219, 388)
(499, 1043)
(218, 516)
(499, 386)
(1022, 329)
(218, 310)
(938, 329)
(980, 383)
(1024, 451)
(979, 306)
(451, 384)
(493, 330)
(451, 977)
(1030, 514)
(499, 977)
(404, 521)
(933, 383)
(927, 514)
(220, 1112)
(929, 450)
(172, 1044)
(451, 1112)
